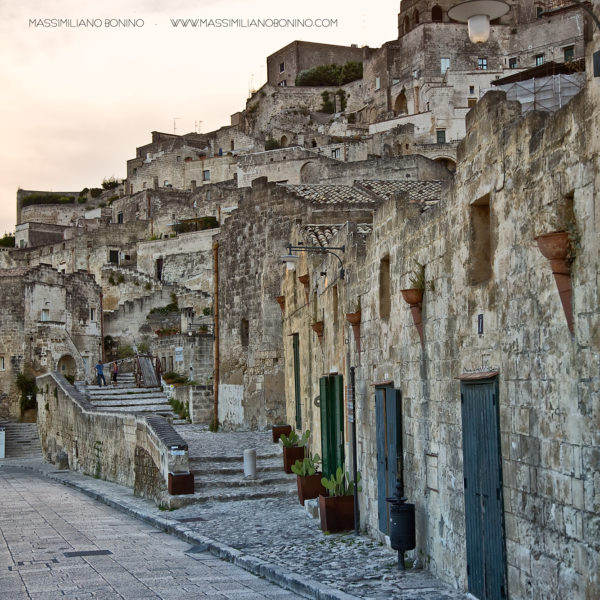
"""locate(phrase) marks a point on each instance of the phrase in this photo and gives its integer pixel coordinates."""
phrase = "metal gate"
(388, 413)
(332, 422)
(486, 558)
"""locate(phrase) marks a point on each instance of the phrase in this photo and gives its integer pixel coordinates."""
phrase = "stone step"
(21, 440)
(132, 398)
(232, 494)
(133, 403)
(232, 465)
(145, 408)
(220, 480)
(116, 391)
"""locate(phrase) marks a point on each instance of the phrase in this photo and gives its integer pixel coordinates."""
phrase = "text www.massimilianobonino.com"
(254, 23)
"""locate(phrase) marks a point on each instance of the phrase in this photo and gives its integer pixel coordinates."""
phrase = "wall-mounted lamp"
(478, 14)
(291, 259)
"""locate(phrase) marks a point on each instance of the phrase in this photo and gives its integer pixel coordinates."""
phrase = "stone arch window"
(284, 141)
(232, 145)
(437, 14)
(416, 17)
(314, 143)
(401, 105)
(406, 24)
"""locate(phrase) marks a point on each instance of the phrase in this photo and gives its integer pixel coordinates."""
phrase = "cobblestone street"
(58, 543)
(274, 537)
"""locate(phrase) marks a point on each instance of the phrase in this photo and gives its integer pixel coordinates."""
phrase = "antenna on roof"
(198, 126)
(175, 119)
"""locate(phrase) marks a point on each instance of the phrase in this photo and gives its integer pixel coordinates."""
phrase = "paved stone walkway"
(276, 537)
(58, 543)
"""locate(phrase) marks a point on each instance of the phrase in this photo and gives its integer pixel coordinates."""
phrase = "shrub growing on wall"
(330, 74)
(45, 198)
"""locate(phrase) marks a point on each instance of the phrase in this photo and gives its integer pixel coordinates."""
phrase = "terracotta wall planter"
(305, 281)
(555, 247)
(290, 456)
(309, 486)
(354, 320)
(318, 329)
(414, 298)
(279, 430)
(337, 513)
(281, 301)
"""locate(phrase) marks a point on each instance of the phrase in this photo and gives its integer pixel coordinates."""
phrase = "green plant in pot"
(337, 509)
(279, 430)
(309, 478)
(293, 448)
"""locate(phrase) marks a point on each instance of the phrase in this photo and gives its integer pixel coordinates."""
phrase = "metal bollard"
(250, 464)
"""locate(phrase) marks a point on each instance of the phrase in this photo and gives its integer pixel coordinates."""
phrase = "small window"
(92, 313)
(539, 60)
(395, 81)
(179, 159)
(440, 135)
(385, 301)
(45, 314)
(569, 53)
(282, 83)
(482, 63)
(335, 153)
(206, 175)
(113, 257)
(1, 363)
(281, 67)
(437, 14)
(144, 185)
(444, 65)
(377, 83)
(170, 363)
(471, 89)
(539, 12)
(512, 62)
(244, 333)
(471, 102)
(120, 218)
(480, 262)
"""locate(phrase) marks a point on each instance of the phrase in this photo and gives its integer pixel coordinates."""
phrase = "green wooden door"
(332, 422)
(484, 512)
(388, 415)
(296, 342)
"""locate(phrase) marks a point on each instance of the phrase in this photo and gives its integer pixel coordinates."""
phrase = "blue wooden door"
(482, 463)
(332, 423)
(388, 416)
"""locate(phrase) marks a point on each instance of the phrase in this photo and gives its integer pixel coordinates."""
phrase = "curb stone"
(308, 588)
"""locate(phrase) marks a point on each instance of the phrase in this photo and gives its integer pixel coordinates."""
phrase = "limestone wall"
(107, 445)
(539, 176)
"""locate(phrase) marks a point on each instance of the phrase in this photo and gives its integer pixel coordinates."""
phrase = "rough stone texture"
(46, 323)
(539, 176)
(133, 450)
(200, 401)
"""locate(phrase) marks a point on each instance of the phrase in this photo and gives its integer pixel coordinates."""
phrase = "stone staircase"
(22, 440)
(221, 478)
(125, 397)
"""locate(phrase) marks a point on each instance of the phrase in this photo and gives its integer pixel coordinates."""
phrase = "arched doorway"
(310, 173)
(67, 366)
(406, 24)
(437, 14)
(401, 105)
(284, 141)
(416, 17)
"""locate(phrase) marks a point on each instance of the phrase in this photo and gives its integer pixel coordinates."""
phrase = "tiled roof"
(422, 192)
(321, 235)
(331, 194)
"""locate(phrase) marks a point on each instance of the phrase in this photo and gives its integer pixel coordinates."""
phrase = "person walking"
(114, 371)
(100, 373)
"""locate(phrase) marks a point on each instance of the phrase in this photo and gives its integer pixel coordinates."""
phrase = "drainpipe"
(101, 331)
(216, 330)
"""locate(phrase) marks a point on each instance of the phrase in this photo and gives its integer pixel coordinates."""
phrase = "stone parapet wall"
(112, 446)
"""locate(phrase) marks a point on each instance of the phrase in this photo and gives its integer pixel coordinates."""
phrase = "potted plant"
(337, 509)
(279, 430)
(413, 296)
(309, 478)
(293, 448)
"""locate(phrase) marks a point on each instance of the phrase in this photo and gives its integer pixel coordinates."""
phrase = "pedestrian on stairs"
(100, 373)
(114, 371)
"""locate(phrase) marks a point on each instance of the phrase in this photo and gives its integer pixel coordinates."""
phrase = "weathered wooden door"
(296, 343)
(332, 422)
(388, 414)
(482, 463)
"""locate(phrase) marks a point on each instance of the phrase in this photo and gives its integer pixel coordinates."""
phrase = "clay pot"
(290, 456)
(309, 486)
(336, 512)
(412, 295)
(318, 329)
(279, 430)
(354, 320)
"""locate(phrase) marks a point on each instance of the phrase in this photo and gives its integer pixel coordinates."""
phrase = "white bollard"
(2, 441)
(250, 464)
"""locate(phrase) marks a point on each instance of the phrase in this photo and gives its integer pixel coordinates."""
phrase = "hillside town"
(395, 249)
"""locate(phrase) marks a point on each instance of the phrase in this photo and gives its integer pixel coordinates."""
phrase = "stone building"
(488, 387)
(49, 322)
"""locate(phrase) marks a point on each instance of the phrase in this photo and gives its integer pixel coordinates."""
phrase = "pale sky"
(77, 101)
